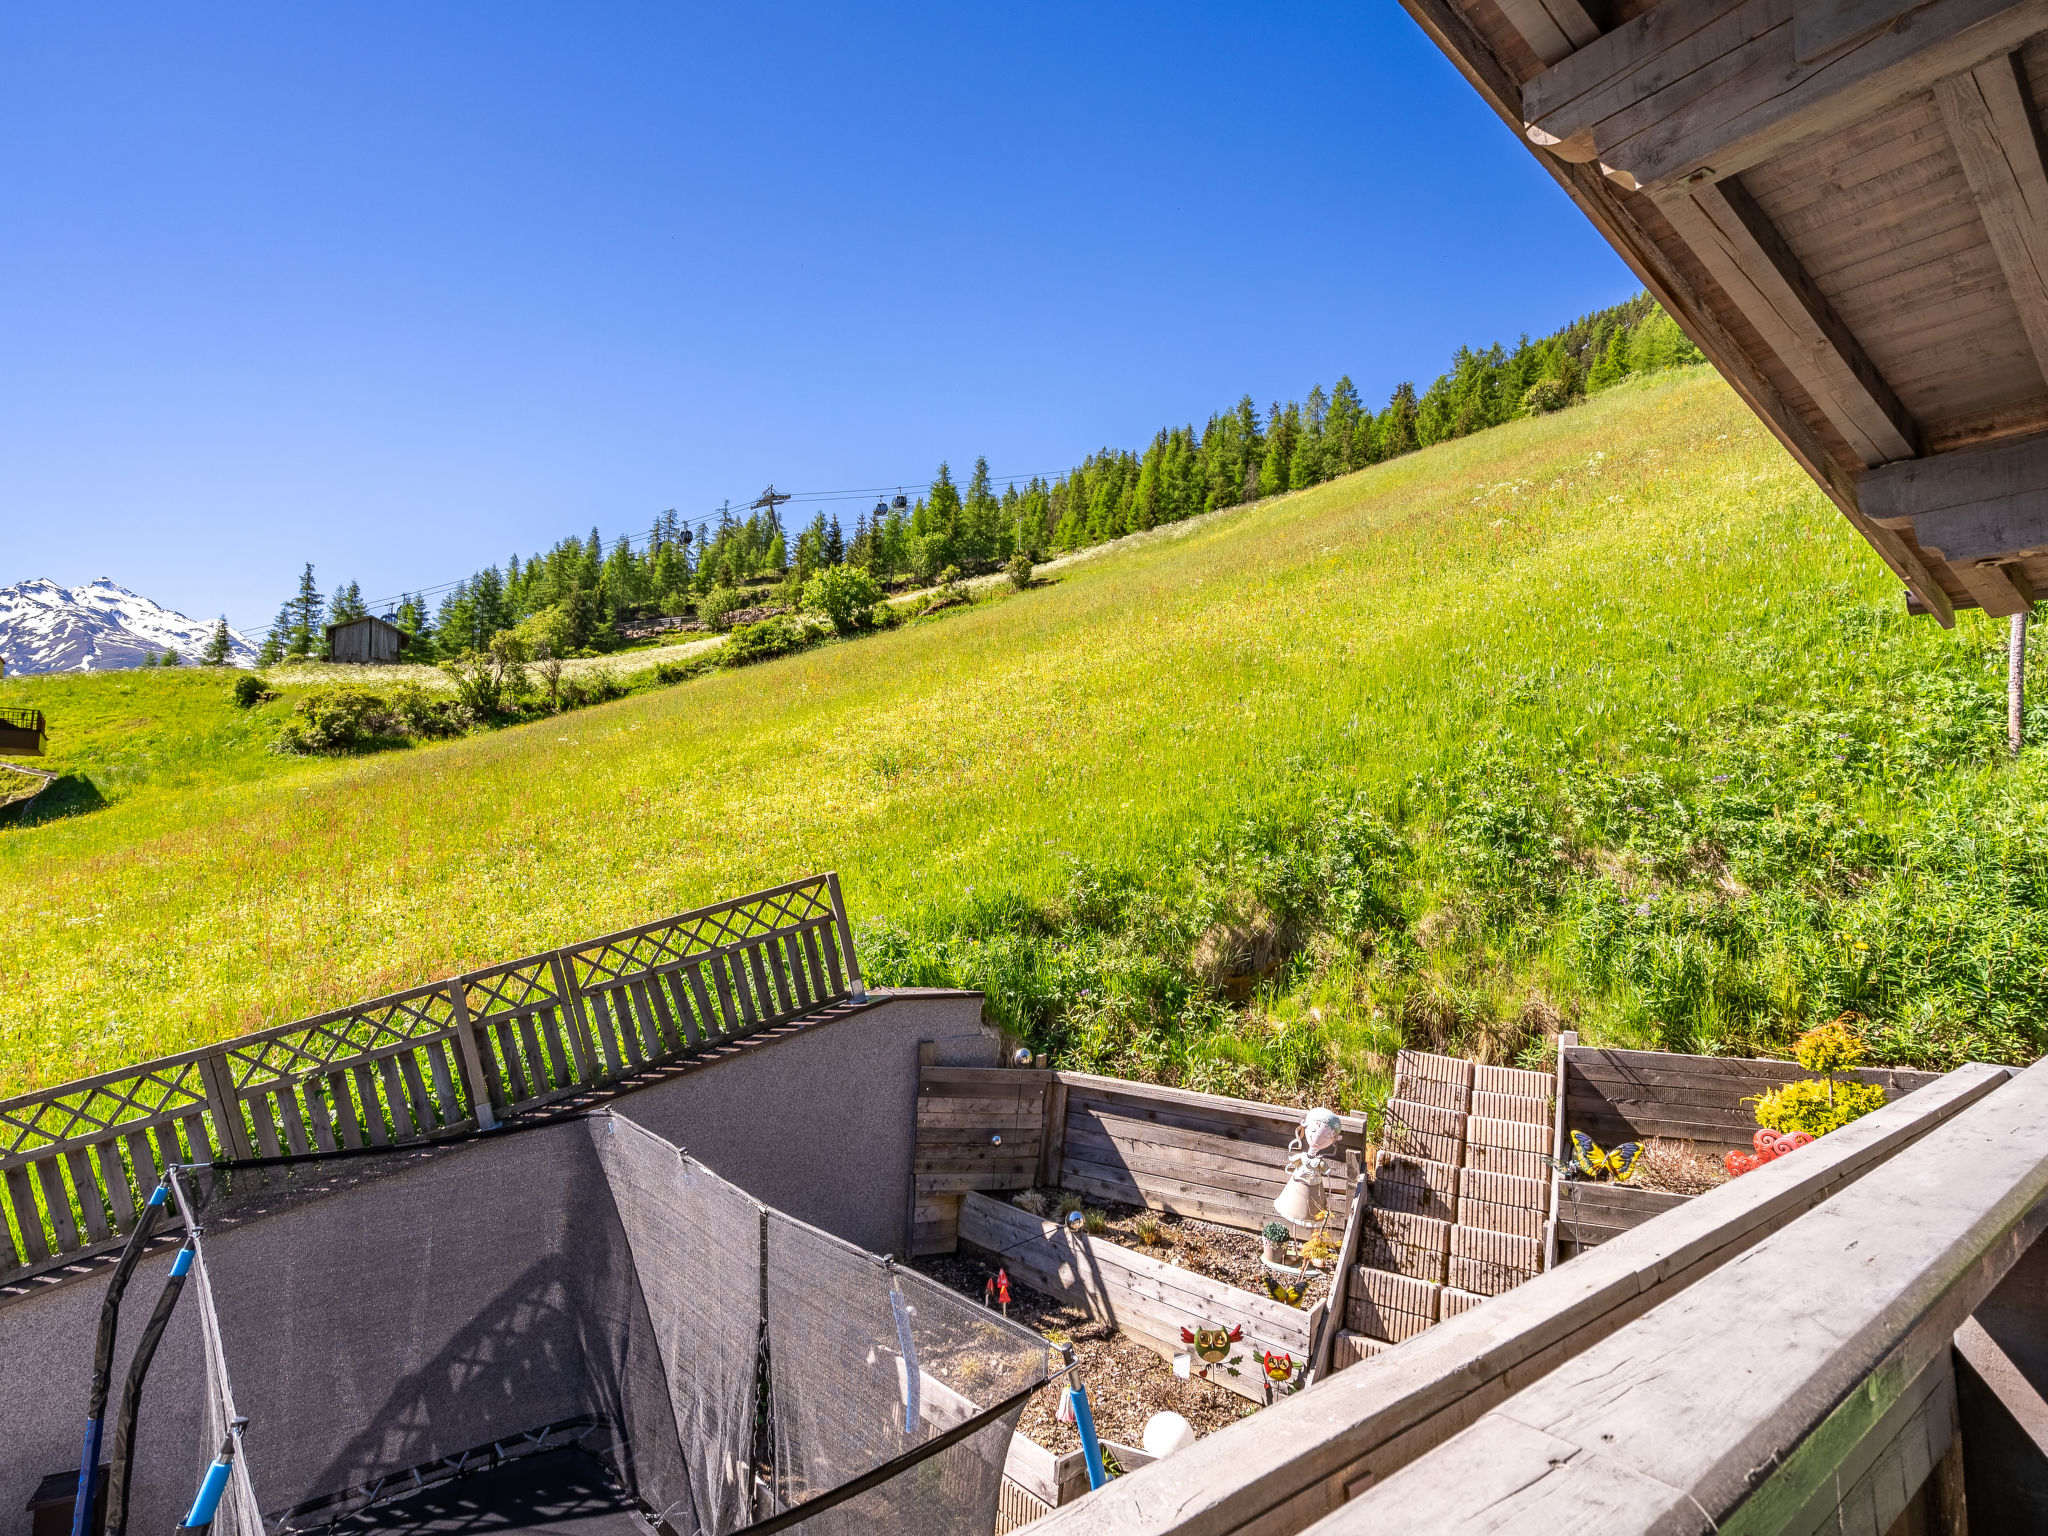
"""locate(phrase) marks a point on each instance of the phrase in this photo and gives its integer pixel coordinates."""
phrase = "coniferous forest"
(581, 591)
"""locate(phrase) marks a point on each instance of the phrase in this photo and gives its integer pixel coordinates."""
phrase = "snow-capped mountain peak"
(99, 627)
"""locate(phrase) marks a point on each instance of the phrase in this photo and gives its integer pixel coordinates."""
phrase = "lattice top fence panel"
(698, 935)
(212, 1079)
(132, 1098)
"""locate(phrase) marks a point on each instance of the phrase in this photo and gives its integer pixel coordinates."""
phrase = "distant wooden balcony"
(22, 732)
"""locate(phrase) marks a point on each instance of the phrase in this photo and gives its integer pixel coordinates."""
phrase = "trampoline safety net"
(585, 1290)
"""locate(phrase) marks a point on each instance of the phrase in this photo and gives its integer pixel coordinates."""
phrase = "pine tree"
(278, 641)
(306, 638)
(835, 544)
(218, 644)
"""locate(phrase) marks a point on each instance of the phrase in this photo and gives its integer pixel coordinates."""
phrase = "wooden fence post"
(481, 1099)
(853, 980)
(230, 1131)
(1052, 1142)
(1567, 1039)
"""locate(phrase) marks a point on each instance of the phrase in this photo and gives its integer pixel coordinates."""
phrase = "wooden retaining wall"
(76, 1161)
(1616, 1096)
(1146, 1299)
(1279, 1471)
(1193, 1154)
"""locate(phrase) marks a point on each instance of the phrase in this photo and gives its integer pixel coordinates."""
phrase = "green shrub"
(763, 641)
(338, 720)
(846, 595)
(596, 686)
(1817, 1105)
(251, 689)
(715, 606)
(1019, 570)
(668, 673)
(1545, 396)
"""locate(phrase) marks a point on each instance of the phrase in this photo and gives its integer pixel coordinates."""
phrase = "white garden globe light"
(1166, 1433)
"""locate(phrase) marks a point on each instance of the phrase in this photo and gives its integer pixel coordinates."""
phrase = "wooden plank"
(416, 1092)
(1551, 28)
(393, 1097)
(1668, 1402)
(1714, 87)
(1993, 128)
(764, 993)
(1348, 1254)
(1518, 1108)
(263, 1116)
(147, 1171)
(1516, 1082)
(1052, 1143)
(294, 1123)
(1746, 255)
(1084, 1119)
(114, 1174)
(552, 1031)
(1150, 1099)
(320, 1121)
(194, 1122)
(731, 1020)
(710, 1026)
(57, 1203)
(28, 1216)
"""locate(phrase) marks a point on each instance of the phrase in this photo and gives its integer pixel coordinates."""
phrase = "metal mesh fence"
(396, 1321)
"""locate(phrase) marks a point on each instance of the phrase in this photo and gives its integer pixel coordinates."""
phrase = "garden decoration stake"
(1003, 1291)
(1212, 1345)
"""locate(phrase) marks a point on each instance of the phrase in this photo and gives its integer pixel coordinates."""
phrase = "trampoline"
(576, 1328)
(568, 1492)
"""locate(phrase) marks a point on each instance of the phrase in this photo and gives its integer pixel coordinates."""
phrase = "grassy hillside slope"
(1601, 716)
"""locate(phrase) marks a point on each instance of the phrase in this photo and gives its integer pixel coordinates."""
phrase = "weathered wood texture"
(77, 1160)
(1591, 1214)
(1035, 1481)
(365, 642)
(1616, 1096)
(22, 732)
(1281, 1470)
(1661, 1426)
(1714, 86)
(977, 1128)
(1195, 1154)
(1145, 1299)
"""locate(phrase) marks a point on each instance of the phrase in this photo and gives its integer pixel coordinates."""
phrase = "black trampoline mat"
(566, 1491)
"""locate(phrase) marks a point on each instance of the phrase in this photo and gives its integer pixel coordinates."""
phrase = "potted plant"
(1274, 1235)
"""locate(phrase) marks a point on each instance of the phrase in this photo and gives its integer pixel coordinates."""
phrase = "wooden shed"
(22, 732)
(367, 641)
(1844, 203)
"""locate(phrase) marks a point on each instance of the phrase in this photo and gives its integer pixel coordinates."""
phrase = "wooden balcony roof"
(1845, 204)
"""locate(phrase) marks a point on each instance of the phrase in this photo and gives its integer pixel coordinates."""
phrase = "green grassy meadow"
(1602, 718)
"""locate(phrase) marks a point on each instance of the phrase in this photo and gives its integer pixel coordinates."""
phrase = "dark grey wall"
(507, 1252)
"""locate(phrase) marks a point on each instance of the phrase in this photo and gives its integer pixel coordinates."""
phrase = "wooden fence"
(1194, 1154)
(455, 1055)
(1618, 1096)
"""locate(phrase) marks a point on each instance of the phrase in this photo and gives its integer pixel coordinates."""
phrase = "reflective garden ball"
(1075, 1220)
(1021, 1056)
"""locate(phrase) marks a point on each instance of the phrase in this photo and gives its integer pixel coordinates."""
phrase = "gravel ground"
(1221, 1253)
(1126, 1382)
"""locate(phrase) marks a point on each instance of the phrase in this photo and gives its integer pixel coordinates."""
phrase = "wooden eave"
(1845, 204)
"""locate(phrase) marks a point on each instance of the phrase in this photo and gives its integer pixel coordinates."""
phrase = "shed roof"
(1844, 203)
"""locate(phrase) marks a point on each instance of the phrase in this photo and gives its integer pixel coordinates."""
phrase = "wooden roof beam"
(1980, 511)
(1697, 91)
(1996, 135)
(1739, 245)
(1613, 214)
(1553, 29)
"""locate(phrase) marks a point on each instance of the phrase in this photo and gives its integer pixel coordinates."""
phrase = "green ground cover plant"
(1601, 717)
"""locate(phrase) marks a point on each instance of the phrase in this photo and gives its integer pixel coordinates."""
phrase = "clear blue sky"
(404, 289)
